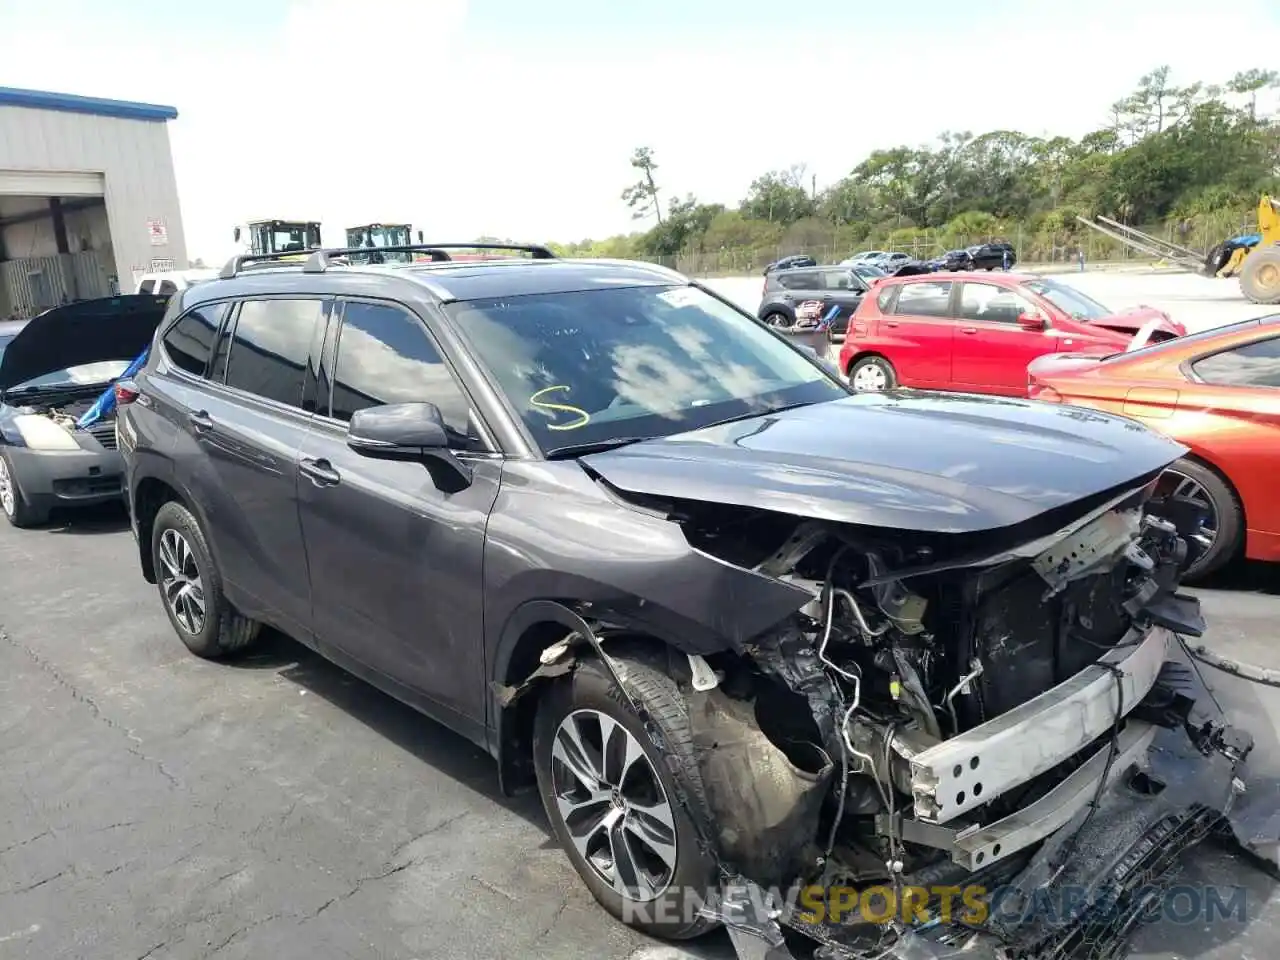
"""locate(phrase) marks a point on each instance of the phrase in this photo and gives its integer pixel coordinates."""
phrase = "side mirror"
(409, 432)
(1031, 321)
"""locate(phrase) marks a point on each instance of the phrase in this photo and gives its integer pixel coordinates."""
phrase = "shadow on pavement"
(89, 521)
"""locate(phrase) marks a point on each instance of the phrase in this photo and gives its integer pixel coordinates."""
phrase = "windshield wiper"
(592, 446)
(766, 412)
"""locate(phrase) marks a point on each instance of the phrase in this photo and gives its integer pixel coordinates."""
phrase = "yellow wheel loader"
(1254, 257)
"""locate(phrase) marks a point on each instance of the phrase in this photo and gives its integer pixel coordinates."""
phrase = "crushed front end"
(959, 735)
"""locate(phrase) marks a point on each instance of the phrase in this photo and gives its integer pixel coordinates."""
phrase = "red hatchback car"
(1217, 392)
(977, 332)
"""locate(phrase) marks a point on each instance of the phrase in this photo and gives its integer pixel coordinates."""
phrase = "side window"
(803, 280)
(167, 287)
(147, 286)
(270, 347)
(924, 299)
(986, 301)
(1255, 364)
(385, 355)
(836, 280)
(190, 340)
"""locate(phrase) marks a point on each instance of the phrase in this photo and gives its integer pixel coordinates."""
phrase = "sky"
(517, 118)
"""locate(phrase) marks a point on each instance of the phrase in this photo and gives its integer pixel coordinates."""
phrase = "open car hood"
(90, 331)
(940, 463)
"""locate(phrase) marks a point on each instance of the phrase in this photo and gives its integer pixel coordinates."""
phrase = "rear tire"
(778, 320)
(13, 504)
(585, 704)
(1260, 276)
(1226, 520)
(191, 587)
(872, 374)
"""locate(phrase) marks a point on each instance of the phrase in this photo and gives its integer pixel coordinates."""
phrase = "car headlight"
(41, 433)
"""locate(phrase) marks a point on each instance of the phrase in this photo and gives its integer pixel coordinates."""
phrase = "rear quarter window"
(189, 342)
(884, 300)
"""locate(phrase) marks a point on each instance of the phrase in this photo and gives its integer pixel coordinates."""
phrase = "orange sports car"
(1217, 392)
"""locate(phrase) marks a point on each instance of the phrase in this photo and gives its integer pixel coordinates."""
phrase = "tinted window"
(1254, 364)
(386, 356)
(190, 340)
(803, 280)
(147, 286)
(924, 299)
(986, 301)
(270, 347)
(167, 287)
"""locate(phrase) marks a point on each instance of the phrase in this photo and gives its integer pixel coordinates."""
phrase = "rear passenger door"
(240, 454)
(921, 329)
(396, 562)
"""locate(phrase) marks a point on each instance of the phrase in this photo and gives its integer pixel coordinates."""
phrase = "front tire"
(191, 587)
(1221, 536)
(1260, 276)
(610, 795)
(872, 375)
(13, 503)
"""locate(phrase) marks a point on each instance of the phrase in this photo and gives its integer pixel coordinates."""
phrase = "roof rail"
(318, 262)
(237, 263)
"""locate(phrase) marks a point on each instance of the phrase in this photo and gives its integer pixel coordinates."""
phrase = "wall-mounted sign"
(159, 233)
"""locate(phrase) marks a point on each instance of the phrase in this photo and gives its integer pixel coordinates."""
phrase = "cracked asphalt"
(153, 805)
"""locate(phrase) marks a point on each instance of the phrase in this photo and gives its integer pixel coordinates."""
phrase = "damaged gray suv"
(746, 633)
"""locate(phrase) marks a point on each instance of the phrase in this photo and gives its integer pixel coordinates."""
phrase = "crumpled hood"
(90, 331)
(1132, 320)
(932, 462)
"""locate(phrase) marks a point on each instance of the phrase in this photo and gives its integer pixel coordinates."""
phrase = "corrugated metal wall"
(37, 283)
(135, 160)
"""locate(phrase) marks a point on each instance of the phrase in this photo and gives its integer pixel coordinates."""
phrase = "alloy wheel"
(870, 378)
(8, 496)
(1182, 486)
(181, 582)
(613, 805)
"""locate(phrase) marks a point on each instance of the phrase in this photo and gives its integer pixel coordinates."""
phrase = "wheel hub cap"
(870, 377)
(181, 581)
(1181, 486)
(613, 805)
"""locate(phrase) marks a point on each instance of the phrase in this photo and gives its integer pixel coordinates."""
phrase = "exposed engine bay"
(974, 710)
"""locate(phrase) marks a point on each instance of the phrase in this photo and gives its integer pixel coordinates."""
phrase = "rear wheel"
(13, 504)
(1260, 276)
(1218, 541)
(191, 587)
(872, 375)
(777, 318)
(611, 794)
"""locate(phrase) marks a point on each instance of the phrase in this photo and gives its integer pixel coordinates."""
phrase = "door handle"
(201, 421)
(891, 323)
(968, 329)
(320, 472)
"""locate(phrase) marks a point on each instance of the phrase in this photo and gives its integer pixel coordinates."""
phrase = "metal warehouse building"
(88, 198)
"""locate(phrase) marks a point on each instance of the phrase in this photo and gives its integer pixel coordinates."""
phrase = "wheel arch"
(1199, 458)
(862, 355)
(531, 629)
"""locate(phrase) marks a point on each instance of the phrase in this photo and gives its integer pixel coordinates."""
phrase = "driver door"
(991, 349)
(395, 562)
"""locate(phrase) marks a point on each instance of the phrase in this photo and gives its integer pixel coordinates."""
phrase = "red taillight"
(125, 393)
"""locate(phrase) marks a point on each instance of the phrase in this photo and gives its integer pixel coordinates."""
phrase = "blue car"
(57, 406)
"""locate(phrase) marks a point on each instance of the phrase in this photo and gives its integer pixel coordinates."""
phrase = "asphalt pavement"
(157, 806)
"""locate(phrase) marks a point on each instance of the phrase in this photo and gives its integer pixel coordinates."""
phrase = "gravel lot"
(157, 806)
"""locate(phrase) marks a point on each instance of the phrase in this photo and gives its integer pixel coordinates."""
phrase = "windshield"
(868, 270)
(1069, 300)
(601, 365)
(85, 375)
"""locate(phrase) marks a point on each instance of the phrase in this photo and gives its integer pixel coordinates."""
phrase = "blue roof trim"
(94, 106)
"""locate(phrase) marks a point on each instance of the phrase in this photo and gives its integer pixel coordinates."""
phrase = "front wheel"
(611, 798)
(872, 375)
(1218, 540)
(13, 504)
(191, 587)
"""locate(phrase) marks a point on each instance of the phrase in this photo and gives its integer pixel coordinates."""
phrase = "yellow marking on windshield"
(583, 417)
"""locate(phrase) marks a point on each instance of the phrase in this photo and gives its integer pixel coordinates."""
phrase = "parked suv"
(786, 290)
(663, 566)
(997, 255)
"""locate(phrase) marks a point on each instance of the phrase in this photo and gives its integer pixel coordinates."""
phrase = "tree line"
(1187, 160)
